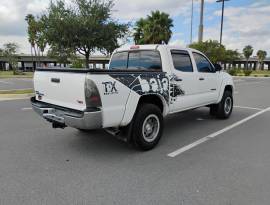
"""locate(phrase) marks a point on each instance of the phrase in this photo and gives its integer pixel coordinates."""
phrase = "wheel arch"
(225, 87)
(134, 102)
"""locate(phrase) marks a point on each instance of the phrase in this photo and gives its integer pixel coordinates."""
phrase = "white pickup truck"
(142, 85)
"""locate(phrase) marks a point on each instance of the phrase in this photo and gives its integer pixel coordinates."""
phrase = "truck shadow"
(102, 143)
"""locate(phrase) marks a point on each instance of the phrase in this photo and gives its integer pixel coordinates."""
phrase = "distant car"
(142, 85)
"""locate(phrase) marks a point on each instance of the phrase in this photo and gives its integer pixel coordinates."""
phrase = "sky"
(246, 22)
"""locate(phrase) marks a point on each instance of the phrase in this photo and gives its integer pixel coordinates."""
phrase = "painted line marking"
(10, 99)
(215, 134)
(199, 119)
(10, 90)
(250, 108)
(4, 82)
(26, 108)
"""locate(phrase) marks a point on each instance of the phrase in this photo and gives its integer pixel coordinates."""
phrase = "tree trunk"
(87, 55)
(32, 58)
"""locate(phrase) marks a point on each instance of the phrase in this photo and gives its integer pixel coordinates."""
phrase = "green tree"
(62, 54)
(261, 57)
(84, 28)
(155, 29)
(9, 51)
(231, 56)
(211, 49)
(247, 51)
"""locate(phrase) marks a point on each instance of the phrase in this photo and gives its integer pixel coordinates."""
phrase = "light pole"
(201, 22)
(191, 23)
(222, 17)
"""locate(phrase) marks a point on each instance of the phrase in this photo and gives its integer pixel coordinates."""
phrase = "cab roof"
(150, 47)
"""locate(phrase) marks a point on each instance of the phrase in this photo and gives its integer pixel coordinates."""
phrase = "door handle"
(201, 78)
(55, 80)
(178, 79)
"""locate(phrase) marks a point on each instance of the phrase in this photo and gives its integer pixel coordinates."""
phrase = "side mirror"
(217, 67)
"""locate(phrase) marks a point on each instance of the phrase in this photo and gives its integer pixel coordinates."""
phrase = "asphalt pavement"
(41, 165)
(16, 83)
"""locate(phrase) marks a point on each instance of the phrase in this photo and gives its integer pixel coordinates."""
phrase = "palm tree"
(139, 31)
(247, 51)
(261, 56)
(32, 32)
(155, 29)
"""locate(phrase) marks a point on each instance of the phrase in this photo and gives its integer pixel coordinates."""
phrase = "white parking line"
(245, 107)
(26, 108)
(4, 82)
(215, 134)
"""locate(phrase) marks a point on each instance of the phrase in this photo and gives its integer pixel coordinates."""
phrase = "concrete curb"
(251, 77)
(7, 97)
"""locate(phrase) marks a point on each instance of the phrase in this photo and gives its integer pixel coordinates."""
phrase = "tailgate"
(64, 89)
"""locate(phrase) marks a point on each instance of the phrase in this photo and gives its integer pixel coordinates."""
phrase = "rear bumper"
(62, 117)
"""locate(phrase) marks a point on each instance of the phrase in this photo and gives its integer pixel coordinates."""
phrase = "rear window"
(136, 60)
(119, 60)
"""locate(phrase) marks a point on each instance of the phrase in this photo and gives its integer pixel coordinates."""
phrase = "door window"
(181, 61)
(203, 65)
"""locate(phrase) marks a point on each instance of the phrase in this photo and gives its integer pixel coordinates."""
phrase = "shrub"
(247, 72)
(233, 71)
(266, 75)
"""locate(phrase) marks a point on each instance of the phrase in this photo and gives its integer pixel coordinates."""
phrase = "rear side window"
(119, 60)
(182, 61)
(136, 60)
(203, 64)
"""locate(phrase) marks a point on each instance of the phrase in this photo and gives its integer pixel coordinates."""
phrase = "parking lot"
(200, 159)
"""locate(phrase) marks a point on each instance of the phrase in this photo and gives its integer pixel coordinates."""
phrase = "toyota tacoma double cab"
(142, 85)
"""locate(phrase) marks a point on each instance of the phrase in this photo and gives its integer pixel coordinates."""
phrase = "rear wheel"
(147, 127)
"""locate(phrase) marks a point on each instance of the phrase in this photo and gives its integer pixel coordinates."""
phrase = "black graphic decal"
(175, 89)
(151, 83)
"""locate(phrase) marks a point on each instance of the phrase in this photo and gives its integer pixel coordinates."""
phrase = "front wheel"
(223, 110)
(147, 127)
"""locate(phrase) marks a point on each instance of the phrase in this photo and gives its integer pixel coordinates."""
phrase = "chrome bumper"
(67, 117)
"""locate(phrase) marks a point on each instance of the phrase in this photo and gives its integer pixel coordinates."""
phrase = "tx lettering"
(110, 88)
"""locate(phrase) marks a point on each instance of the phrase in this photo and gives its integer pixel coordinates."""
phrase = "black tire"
(224, 110)
(213, 110)
(147, 127)
(85, 131)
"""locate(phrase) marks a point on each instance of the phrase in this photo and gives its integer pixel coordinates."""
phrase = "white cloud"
(132, 10)
(178, 42)
(24, 46)
(243, 26)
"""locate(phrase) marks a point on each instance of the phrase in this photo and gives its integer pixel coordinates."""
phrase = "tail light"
(92, 97)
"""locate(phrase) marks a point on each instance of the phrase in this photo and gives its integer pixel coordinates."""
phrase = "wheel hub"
(228, 105)
(150, 129)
